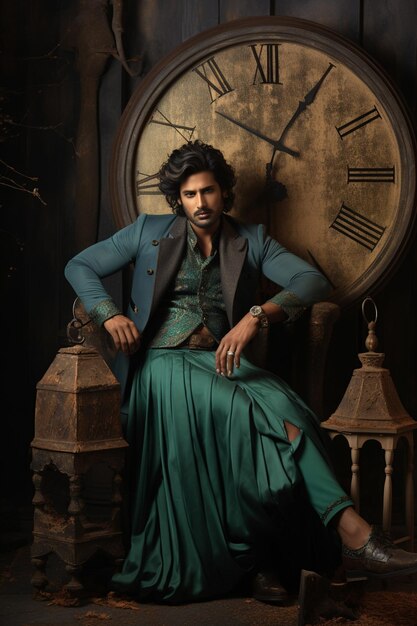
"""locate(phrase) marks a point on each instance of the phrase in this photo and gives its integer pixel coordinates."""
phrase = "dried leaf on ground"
(58, 598)
(385, 608)
(117, 601)
(94, 615)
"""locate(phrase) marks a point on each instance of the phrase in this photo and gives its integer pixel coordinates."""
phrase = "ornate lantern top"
(371, 402)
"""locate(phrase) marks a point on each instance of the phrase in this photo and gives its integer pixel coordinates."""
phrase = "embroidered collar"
(192, 238)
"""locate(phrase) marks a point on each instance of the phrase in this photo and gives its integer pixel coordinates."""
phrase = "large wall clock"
(322, 145)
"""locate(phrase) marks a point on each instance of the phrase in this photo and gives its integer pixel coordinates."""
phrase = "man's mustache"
(201, 212)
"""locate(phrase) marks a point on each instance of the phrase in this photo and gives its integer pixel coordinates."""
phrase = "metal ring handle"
(369, 299)
(75, 326)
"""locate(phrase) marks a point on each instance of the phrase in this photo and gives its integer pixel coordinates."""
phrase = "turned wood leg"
(409, 493)
(354, 486)
(387, 506)
(39, 578)
(38, 499)
(74, 586)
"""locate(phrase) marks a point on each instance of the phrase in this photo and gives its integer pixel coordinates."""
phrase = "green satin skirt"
(216, 488)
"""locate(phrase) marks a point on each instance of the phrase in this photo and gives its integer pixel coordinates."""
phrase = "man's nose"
(201, 200)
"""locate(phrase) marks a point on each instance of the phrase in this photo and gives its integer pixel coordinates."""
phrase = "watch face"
(256, 310)
(322, 147)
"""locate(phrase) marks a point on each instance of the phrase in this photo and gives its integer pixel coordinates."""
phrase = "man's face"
(202, 201)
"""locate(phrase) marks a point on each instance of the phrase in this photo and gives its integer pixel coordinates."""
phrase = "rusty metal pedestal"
(78, 440)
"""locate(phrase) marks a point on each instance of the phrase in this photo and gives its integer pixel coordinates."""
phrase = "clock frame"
(321, 141)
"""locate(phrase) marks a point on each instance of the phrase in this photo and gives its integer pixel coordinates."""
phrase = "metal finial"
(371, 341)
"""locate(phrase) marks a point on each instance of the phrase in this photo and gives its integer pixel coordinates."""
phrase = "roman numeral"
(357, 227)
(186, 132)
(371, 174)
(145, 186)
(216, 81)
(267, 63)
(358, 122)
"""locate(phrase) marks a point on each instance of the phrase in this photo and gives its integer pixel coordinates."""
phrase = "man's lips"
(205, 213)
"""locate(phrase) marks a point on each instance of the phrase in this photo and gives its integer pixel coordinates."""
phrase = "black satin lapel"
(171, 252)
(232, 250)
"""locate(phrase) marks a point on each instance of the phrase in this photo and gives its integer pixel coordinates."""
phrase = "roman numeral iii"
(371, 175)
(267, 63)
(357, 227)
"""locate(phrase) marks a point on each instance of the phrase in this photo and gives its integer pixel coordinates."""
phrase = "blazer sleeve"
(86, 270)
(302, 284)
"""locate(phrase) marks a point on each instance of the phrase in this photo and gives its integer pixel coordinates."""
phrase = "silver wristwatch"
(258, 312)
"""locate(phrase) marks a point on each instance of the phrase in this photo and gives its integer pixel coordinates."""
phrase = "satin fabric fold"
(215, 487)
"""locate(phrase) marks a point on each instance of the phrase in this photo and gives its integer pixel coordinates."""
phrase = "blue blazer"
(155, 244)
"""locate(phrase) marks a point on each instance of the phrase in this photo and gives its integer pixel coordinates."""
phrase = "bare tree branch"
(53, 128)
(8, 181)
(48, 55)
(34, 178)
(117, 29)
(17, 187)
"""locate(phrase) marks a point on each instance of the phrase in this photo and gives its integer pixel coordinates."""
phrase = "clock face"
(322, 148)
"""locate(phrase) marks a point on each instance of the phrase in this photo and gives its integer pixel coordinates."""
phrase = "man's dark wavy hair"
(192, 158)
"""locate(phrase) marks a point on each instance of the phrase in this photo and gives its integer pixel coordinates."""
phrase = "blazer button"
(155, 242)
(150, 272)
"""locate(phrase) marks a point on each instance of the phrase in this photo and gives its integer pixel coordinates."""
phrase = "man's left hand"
(231, 346)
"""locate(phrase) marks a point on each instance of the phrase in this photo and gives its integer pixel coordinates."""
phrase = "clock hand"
(302, 105)
(278, 145)
(308, 99)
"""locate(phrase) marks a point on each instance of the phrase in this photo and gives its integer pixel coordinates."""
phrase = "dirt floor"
(375, 604)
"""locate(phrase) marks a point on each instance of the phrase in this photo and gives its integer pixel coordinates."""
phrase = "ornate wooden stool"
(372, 410)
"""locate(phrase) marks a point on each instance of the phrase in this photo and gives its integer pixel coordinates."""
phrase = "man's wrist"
(103, 311)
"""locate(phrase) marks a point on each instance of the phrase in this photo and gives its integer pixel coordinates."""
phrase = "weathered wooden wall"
(43, 98)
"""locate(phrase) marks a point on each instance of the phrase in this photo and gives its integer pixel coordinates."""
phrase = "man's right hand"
(124, 333)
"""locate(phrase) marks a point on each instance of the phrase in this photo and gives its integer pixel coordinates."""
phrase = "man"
(228, 470)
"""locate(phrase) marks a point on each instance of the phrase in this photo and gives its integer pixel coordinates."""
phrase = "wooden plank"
(161, 25)
(196, 16)
(343, 16)
(51, 155)
(342, 357)
(155, 27)
(234, 9)
(109, 116)
(397, 304)
(390, 35)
